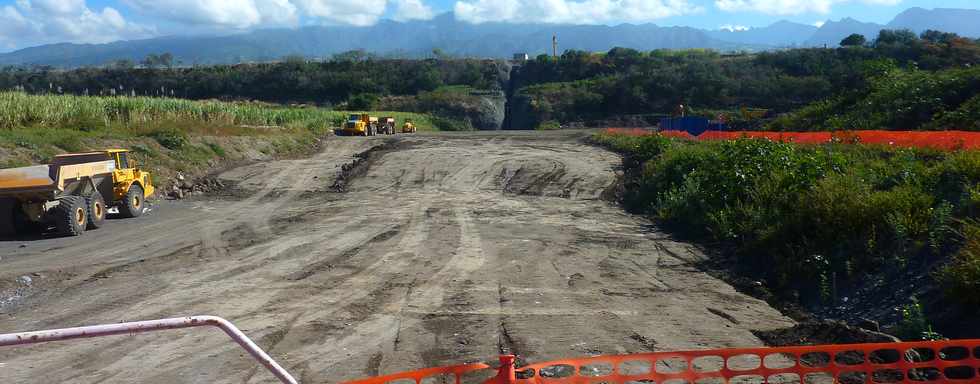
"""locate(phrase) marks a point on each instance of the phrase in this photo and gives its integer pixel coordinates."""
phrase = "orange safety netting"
(945, 140)
(886, 363)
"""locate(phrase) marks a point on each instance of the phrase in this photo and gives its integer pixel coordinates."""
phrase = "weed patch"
(812, 219)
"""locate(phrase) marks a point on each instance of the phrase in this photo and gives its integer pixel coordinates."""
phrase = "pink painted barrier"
(24, 338)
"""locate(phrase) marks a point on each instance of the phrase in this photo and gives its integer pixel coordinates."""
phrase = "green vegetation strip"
(168, 134)
(802, 214)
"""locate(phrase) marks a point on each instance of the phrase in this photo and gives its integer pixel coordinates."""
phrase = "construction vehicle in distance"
(73, 193)
(359, 125)
(387, 126)
(408, 127)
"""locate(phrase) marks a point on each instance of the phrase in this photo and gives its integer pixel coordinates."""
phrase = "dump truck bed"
(43, 179)
(36, 178)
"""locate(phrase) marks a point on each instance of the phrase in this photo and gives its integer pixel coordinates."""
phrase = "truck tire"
(95, 208)
(133, 204)
(70, 216)
(24, 225)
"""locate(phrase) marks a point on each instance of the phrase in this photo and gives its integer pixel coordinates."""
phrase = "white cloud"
(412, 10)
(12, 25)
(32, 22)
(221, 14)
(819, 24)
(250, 14)
(790, 7)
(351, 12)
(571, 11)
(733, 27)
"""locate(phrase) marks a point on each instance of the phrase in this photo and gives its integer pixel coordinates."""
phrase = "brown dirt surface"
(441, 249)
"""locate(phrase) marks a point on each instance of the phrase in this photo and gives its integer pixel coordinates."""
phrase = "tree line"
(294, 80)
(577, 86)
(584, 86)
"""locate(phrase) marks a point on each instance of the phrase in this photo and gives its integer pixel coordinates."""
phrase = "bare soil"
(438, 249)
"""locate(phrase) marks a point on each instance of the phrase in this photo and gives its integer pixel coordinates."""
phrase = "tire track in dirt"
(433, 256)
(322, 265)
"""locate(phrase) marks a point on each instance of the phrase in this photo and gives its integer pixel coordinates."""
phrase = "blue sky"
(25, 23)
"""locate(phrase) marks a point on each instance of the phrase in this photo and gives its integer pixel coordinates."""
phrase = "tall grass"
(33, 128)
(90, 113)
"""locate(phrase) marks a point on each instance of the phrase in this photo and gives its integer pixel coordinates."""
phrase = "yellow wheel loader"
(408, 127)
(73, 193)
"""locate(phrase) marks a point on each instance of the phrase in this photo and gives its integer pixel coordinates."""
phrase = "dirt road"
(444, 249)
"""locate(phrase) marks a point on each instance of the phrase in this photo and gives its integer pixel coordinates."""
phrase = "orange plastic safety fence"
(454, 372)
(946, 361)
(943, 140)
(887, 363)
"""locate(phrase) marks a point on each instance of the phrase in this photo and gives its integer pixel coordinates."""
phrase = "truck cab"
(127, 173)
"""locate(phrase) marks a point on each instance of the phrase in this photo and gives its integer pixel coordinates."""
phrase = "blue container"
(692, 125)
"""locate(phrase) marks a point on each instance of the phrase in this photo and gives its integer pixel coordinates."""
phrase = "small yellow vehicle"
(359, 125)
(408, 127)
(73, 193)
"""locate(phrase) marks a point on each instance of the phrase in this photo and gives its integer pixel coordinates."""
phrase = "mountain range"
(492, 40)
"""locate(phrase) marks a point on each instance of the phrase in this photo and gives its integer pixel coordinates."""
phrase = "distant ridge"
(779, 34)
(965, 22)
(832, 32)
(489, 40)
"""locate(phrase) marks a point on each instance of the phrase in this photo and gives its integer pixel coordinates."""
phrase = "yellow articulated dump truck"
(359, 125)
(73, 193)
(387, 126)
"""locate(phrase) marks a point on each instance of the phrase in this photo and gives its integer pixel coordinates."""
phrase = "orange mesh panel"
(912, 362)
(456, 371)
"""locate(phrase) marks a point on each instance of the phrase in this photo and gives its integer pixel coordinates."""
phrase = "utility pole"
(554, 46)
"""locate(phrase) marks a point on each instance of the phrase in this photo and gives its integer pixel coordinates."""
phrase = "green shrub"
(362, 102)
(799, 214)
(217, 149)
(170, 139)
(639, 148)
(896, 100)
(835, 218)
(143, 150)
(956, 177)
(914, 325)
(966, 117)
(960, 277)
(444, 124)
(549, 125)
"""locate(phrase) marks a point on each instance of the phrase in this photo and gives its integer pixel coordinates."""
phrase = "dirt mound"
(181, 188)
(820, 332)
(358, 167)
